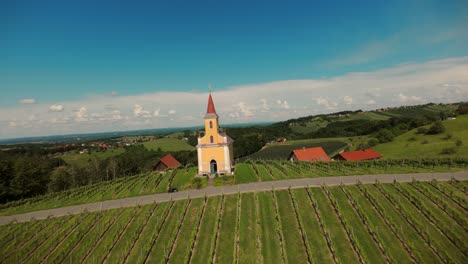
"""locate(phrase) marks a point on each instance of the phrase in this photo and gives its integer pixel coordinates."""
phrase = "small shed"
(309, 155)
(365, 154)
(167, 162)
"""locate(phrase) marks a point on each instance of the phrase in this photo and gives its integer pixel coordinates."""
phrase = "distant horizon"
(169, 129)
(173, 129)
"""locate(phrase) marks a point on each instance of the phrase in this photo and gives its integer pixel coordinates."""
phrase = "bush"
(425, 142)
(372, 142)
(448, 151)
(412, 139)
(458, 143)
(447, 136)
(421, 130)
(197, 182)
(384, 136)
(436, 128)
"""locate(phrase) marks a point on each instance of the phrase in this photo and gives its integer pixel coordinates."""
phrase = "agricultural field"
(283, 150)
(155, 182)
(413, 145)
(167, 144)
(309, 126)
(142, 184)
(421, 222)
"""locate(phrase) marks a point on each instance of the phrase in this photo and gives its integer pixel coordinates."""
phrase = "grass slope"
(168, 144)
(83, 159)
(411, 145)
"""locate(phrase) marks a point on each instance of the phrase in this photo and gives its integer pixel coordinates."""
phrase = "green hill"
(413, 145)
(82, 159)
(168, 144)
(379, 223)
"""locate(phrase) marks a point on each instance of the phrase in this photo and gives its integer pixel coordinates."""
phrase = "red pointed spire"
(211, 108)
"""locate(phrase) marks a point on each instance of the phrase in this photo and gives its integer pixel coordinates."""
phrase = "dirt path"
(242, 188)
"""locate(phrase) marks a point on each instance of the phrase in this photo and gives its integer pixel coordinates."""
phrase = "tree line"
(27, 174)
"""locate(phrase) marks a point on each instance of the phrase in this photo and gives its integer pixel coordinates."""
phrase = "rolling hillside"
(413, 145)
(168, 144)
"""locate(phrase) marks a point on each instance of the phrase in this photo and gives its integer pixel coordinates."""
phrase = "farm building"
(167, 162)
(366, 154)
(309, 155)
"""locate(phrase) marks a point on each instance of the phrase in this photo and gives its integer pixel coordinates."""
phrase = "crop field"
(419, 222)
(137, 185)
(270, 170)
(282, 151)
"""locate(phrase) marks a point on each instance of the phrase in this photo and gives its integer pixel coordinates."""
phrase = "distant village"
(99, 146)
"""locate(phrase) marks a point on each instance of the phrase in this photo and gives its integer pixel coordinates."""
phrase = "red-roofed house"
(167, 162)
(309, 154)
(366, 154)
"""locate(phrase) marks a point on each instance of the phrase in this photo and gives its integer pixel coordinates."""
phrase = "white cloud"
(27, 101)
(156, 112)
(412, 38)
(139, 111)
(116, 115)
(348, 100)
(242, 111)
(82, 114)
(56, 108)
(408, 98)
(265, 106)
(283, 104)
(327, 103)
(437, 81)
(12, 124)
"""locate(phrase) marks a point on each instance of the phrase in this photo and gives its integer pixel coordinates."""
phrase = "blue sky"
(70, 53)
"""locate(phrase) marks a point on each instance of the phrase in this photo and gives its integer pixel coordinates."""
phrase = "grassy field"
(165, 144)
(376, 223)
(83, 159)
(413, 145)
(182, 178)
(168, 144)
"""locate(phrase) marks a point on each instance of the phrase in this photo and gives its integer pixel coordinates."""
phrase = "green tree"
(436, 128)
(384, 135)
(31, 176)
(59, 180)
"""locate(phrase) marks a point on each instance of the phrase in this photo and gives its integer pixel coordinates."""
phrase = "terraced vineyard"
(150, 183)
(379, 223)
(137, 185)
